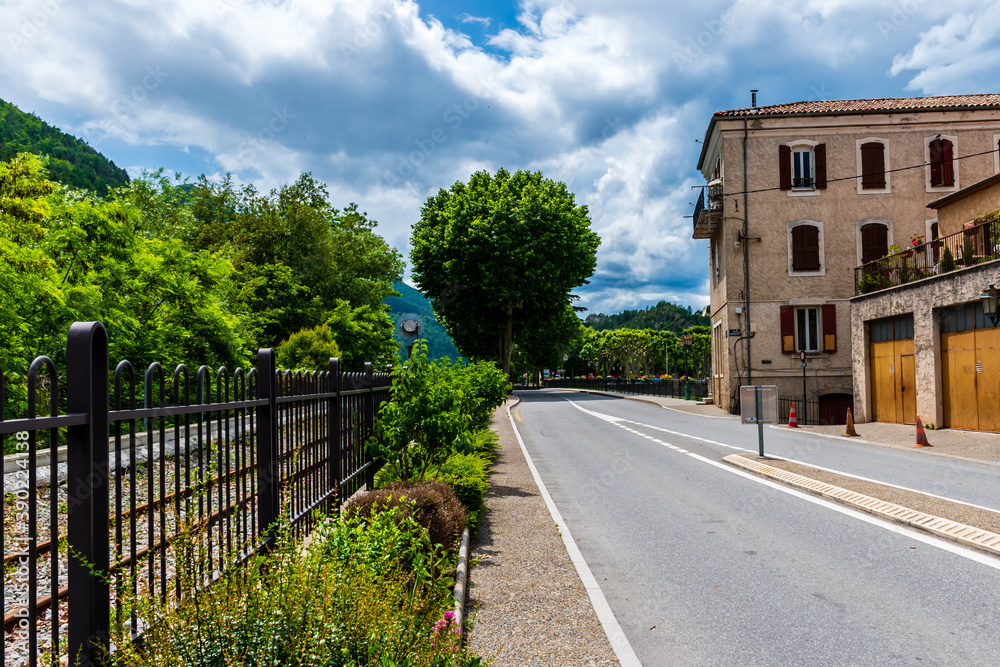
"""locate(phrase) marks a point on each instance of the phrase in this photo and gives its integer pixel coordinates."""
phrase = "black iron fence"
(663, 388)
(973, 245)
(806, 414)
(208, 464)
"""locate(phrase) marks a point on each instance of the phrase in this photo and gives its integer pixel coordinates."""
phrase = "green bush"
(308, 349)
(363, 593)
(432, 504)
(947, 260)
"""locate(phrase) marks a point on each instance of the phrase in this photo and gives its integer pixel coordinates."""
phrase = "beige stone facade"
(817, 299)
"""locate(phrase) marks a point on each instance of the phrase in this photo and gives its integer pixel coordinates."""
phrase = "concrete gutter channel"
(961, 533)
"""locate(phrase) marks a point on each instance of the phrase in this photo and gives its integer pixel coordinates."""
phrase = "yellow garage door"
(970, 370)
(890, 354)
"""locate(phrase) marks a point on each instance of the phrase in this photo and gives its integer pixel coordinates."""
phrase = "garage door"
(890, 358)
(970, 369)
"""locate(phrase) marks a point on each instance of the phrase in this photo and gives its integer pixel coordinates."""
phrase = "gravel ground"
(972, 516)
(526, 601)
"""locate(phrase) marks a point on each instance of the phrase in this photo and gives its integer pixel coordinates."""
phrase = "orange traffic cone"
(793, 421)
(921, 436)
(851, 433)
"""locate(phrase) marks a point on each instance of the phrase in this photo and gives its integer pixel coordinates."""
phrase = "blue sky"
(388, 100)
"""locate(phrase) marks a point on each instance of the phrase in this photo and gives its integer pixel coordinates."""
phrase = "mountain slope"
(439, 343)
(71, 160)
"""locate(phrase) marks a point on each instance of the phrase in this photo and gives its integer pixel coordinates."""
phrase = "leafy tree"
(499, 256)
(294, 255)
(309, 349)
(663, 316)
(363, 334)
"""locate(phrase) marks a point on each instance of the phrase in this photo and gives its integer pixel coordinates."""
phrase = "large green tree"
(500, 255)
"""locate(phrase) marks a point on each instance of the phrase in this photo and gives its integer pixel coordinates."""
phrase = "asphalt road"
(706, 566)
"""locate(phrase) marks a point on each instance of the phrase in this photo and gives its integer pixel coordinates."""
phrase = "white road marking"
(616, 636)
(919, 536)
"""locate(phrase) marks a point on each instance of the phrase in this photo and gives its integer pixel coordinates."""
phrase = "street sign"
(769, 404)
(735, 332)
(759, 405)
(802, 356)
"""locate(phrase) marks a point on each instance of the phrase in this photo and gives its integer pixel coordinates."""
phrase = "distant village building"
(806, 195)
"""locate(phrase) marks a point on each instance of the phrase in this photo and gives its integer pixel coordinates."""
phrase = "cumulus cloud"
(389, 100)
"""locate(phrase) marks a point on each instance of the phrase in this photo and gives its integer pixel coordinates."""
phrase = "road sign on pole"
(759, 405)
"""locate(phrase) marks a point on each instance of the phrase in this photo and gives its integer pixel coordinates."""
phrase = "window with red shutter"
(820, 153)
(805, 248)
(873, 166)
(787, 329)
(829, 327)
(785, 167)
(942, 165)
(874, 242)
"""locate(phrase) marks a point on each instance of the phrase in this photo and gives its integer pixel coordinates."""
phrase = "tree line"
(186, 272)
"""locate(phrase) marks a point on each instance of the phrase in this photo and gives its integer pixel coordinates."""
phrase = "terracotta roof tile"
(884, 105)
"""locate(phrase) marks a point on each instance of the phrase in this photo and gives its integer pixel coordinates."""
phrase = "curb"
(461, 579)
(642, 399)
(964, 534)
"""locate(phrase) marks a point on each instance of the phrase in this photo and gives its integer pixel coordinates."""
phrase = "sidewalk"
(526, 601)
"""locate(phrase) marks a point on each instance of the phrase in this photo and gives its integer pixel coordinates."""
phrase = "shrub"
(947, 260)
(310, 607)
(432, 504)
(308, 349)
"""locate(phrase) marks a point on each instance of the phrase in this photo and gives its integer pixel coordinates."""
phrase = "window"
(874, 241)
(809, 328)
(802, 166)
(715, 257)
(873, 165)
(805, 248)
(942, 165)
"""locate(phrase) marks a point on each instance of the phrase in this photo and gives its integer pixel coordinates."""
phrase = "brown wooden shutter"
(829, 327)
(874, 242)
(805, 248)
(788, 329)
(947, 166)
(820, 154)
(872, 166)
(785, 167)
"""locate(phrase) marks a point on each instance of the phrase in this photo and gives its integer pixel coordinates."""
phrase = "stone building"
(927, 347)
(801, 195)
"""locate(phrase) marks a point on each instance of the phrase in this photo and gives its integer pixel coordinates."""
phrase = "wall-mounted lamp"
(990, 297)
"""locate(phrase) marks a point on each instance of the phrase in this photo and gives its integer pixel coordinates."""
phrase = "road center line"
(930, 540)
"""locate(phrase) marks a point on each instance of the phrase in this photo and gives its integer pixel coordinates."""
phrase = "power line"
(854, 178)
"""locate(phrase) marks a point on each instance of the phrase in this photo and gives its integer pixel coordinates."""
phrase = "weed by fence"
(228, 452)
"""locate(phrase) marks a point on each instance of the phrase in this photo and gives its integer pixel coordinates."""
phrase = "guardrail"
(256, 446)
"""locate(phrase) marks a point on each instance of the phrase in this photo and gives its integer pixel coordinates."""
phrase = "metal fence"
(664, 388)
(207, 465)
(973, 245)
(806, 414)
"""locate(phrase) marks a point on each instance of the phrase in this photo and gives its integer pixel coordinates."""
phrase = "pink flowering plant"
(445, 635)
(917, 240)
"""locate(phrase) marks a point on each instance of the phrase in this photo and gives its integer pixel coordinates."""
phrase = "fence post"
(334, 431)
(268, 479)
(369, 426)
(87, 492)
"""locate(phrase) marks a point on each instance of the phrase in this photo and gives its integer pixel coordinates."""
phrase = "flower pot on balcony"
(907, 254)
(937, 244)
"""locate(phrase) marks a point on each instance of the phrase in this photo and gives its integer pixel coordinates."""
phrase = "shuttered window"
(874, 242)
(801, 328)
(802, 167)
(873, 166)
(785, 167)
(805, 248)
(942, 165)
(788, 329)
(829, 327)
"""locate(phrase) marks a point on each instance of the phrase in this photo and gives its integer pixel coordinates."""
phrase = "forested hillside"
(662, 317)
(71, 161)
(411, 300)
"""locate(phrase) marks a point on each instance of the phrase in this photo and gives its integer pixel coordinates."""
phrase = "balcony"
(973, 245)
(708, 210)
